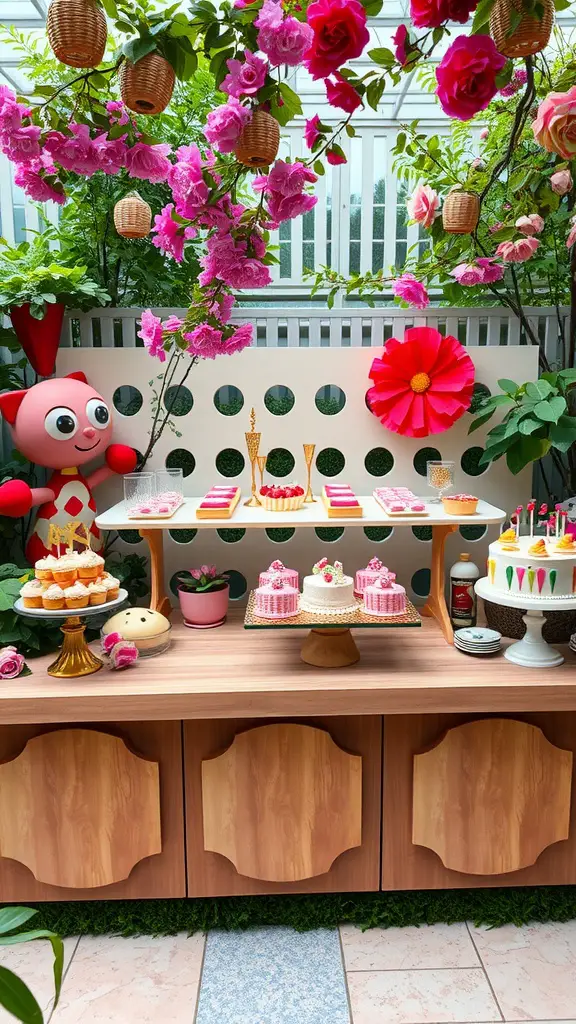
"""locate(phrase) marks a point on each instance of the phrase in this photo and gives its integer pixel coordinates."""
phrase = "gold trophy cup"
(309, 450)
(253, 445)
(261, 460)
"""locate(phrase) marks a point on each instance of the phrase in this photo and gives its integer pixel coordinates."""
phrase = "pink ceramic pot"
(204, 610)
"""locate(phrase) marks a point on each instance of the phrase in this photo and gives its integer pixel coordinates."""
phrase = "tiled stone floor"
(443, 974)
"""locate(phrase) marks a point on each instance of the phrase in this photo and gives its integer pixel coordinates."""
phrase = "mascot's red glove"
(121, 459)
(16, 498)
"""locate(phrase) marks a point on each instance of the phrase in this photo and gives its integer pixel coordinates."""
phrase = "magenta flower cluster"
(205, 341)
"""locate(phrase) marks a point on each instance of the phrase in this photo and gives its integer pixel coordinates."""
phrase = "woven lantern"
(460, 212)
(530, 36)
(132, 216)
(260, 140)
(147, 86)
(77, 32)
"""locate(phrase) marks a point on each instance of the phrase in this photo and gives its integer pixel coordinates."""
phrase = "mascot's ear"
(10, 403)
(77, 375)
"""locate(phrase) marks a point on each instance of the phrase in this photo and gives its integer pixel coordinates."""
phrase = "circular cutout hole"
(473, 532)
(178, 400)
(238, 585)
(424, 455)
(422, 532)
(420, 582)
(470, 461)
(229, 400)
(183, 536)
(231, 536)
(379, 461)
(330, 462)
(279, 400)
(127, 400)
(378, 533)
(330, 399)
(367, 402)
(181, 458)
(280, 535)
(129, 536)
(280, 462)
(479, 393)
(329, 533)
(230, 462)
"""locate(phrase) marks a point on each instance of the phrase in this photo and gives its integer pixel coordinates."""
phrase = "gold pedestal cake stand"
(330, 644)
(75, 658)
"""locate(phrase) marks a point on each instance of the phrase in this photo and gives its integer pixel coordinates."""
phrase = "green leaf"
(319, 167)
(525, 451)
(509, 386)
(374, 92)
(539, 389)
(135, 49)
(482, 16)
(17, 998)
(372, 7)
(350, 131)
(291, 99)
(563, 433)
(13, 917)
(110, 8)
(382, 56)
(528, 425)
(480, 421)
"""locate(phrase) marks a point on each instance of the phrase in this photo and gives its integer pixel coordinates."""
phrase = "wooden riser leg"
(159, 600)
(436, 604)
(329, 648)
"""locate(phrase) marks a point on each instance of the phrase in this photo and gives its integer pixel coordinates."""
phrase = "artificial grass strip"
(491, 907)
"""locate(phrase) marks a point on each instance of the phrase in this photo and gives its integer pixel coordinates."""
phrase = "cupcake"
(460, 504)
(53, 598)
(76, 596)
(31, 594)
(112, 586)
(44, 566)
(66, 570)
(97, 591)
(90, 565)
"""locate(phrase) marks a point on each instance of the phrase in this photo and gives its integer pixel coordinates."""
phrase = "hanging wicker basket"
(460, 212)
(260, 140)
(132, 216)
(77, 32)
(147, 86)
(530, 36)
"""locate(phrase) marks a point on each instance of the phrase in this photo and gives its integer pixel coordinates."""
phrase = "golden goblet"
(309, 450)
(253, 444)
(261, 460)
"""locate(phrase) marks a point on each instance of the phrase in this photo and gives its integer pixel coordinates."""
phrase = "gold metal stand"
(253, 444)
(309, 450)
(261, 460)
(75, 658)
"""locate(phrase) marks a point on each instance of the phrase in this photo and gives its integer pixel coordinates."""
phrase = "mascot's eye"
(98, 413)
(61, 424)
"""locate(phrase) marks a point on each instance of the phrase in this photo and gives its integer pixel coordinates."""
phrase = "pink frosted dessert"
(276, 600)
(277, 568)
(399, 501)
(385, 596)
(365, 577)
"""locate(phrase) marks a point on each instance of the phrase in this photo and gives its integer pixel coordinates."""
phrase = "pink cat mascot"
(61, 423)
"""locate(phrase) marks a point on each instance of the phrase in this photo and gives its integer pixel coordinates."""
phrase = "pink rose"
(335, 158)
(530, 225)
(11, 663)
(240, 339)
(340, 33)
(75, 152)
(555, 124)
(123, 654)
(517, 252)
(111, 153)
(312, 130)
(109, 641)
(244, 78)
(205, 342)
(172, 324)
(484, 133)
(224, 125)
(289, 179)
(22, 144)
(466, 76)
(285, 43)
(170, 236)
(433, 13)
(399, 40)
(572, 235)
(151, 334)
(561, 182)
(148, 162)
(30, 178)
(422, 205)
(340, 94)
(467, 274)
(410, 290)
(491, 271)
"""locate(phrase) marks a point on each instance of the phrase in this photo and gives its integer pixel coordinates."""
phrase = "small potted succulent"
(203, 594)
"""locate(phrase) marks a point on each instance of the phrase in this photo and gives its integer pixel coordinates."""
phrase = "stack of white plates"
(573, 643)
(477, 640)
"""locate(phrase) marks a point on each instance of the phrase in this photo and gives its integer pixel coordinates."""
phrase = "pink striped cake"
(276, 600)
(340, 501)
(219, 502)
(365, 577)
(385, 596)
(277, 568)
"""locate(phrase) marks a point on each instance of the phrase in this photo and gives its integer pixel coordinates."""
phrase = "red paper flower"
(422, 384)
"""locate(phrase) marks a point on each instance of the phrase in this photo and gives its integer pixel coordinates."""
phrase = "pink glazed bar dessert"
(276, 600)
(385, 597)
(365, 577)
(219, 502)
(340, 502)
(277, 568)
(399, 501)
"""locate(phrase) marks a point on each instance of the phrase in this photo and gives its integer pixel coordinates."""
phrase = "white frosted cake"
(534, 567)
(328, 591)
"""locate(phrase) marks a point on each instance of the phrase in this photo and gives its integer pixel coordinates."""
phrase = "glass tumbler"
(440, 476)
(169, 484)
(138, 488)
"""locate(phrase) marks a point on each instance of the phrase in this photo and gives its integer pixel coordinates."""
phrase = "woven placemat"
(349, 619)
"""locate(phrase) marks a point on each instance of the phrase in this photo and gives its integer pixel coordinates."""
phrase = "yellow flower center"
(420, 382)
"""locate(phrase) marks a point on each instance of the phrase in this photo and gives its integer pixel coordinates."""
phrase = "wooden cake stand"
(330, 643)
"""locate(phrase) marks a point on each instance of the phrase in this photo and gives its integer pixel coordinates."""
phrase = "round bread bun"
(143, 626)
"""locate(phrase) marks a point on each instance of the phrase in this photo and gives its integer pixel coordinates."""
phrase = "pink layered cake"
(276, 600)
(385, 596)
(399, 501)
(365, 577)
(219, 502)
(340, 501)
(277, 568)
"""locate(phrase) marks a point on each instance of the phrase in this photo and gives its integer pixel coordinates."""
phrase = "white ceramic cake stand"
(531, 651)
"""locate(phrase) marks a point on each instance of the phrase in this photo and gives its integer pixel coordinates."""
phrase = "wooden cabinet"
(284, 806)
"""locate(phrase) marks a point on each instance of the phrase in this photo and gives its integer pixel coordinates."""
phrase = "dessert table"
(310, 515)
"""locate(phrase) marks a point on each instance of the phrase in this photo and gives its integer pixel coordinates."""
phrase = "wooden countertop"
(230, 672)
